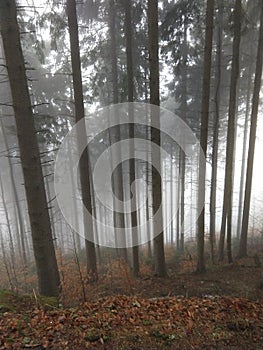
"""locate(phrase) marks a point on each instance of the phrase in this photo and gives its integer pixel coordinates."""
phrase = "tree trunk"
(49, 201)
(9, 230)
(84, 163)
(159, 255)
(184, 116)
(5, 263)
(16, 198)
(165, 201)
(95, 225)
(148, 173)
(213, 194)
(130, 89)
(74, 204)
(114, 133)
(228, 186)
(47, 270)
(182, 201)
(178, 191)
(17, 231)
(244, 152)
(204, 133)
(148, 188)
(252, 140)
(172, 195)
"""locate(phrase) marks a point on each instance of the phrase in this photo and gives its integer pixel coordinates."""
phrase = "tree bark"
(244, 153)
(16, 198)
(115, 133)
(213, 193)
(130, 90)
(178, 191)
(204, 133)
(5, 262)
(184, 116)
(148, 187)
(172, 195)
(252, 139)
(159, 255)
(47, 270)
(228, 186)
(79, 115)
(9, 230)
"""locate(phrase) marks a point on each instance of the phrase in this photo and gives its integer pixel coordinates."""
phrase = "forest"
(131, 197)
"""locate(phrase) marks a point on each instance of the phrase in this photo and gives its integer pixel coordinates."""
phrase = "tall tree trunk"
(74, 203)
(49, 201)
(114, 133)
(228, 186)
(9, 230)
(79, 115)
(178, 191)
(159, 255)
(213, 194)
(148, 172)
(148, 186)
(182, 201)
(130, 89)
(244, 152)
(204, 132)
(172, 195)
(47, 270)
(184, 116)
(17, 231)
(16, 198)
(5, 262)
(95, 225)
(252, 139)
(165, 201)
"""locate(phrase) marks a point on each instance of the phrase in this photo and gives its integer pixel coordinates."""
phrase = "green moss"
(4, 308)
(13, 302)
(48, 302)
(7, 299)
(9, 340)
(92, 335)
(6, 294)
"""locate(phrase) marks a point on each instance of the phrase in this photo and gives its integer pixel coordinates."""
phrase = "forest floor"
(221, 309)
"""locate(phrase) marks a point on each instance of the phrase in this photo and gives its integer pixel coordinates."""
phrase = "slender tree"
(228, 185)
(204, 131)
(79, 115)
(115, 133)
(252, 139)
(5, 262)
(9, 231)
(130, 90)
(47, 270)
(172, 194)
(178, 191)
(159, 255)
(244, 150)
(16, 198)
(148, 184)
(218, 76)
(182, 154)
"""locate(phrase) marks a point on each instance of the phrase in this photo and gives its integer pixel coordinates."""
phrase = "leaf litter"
(130, 322)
